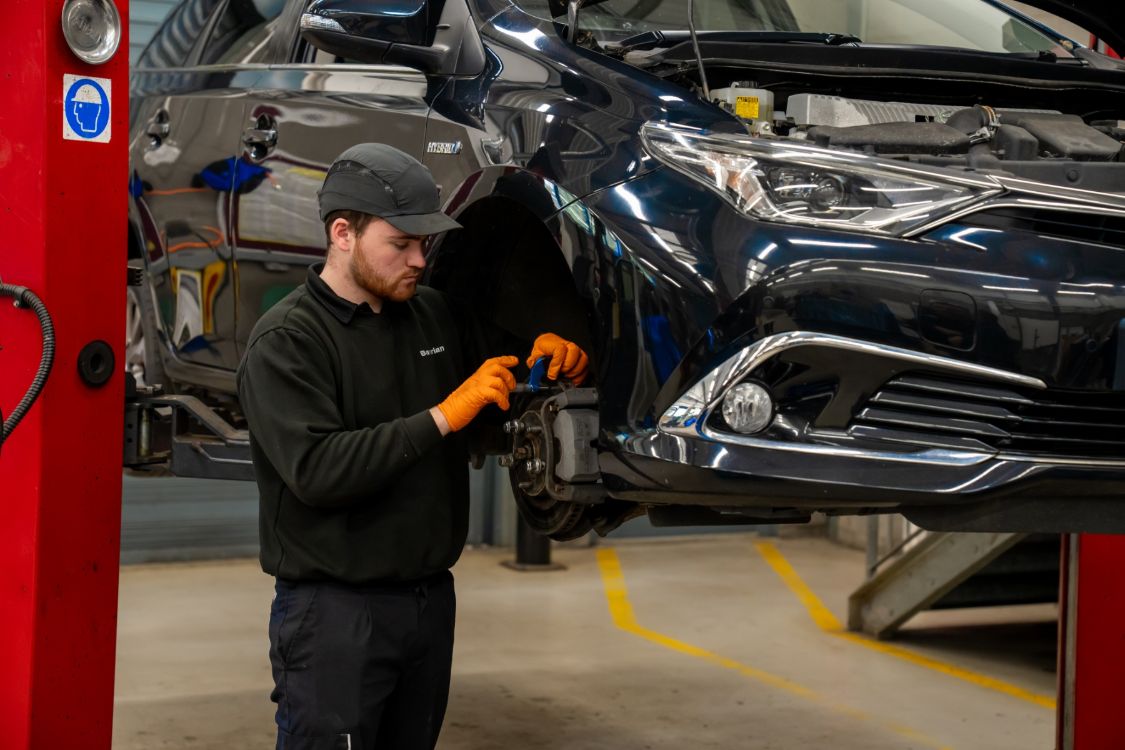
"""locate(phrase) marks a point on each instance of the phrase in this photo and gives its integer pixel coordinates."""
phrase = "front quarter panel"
(568, 115)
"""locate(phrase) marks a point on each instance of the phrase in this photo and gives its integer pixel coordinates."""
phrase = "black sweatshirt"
(356, 483)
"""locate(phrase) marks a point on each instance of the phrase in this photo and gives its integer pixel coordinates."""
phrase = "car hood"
(1104, 19)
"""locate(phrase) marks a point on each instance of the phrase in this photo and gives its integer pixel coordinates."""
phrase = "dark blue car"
(850, 256)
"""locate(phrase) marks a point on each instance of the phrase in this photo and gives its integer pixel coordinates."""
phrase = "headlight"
(780, 180)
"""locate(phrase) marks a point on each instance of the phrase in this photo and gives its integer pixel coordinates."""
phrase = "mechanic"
(354, 387)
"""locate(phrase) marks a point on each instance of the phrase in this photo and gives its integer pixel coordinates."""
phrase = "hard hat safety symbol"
(86, 109)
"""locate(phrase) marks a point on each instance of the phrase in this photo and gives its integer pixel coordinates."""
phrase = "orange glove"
(567, 357)
(490, 384)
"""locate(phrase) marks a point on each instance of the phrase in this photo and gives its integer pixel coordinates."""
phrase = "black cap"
(380, 180)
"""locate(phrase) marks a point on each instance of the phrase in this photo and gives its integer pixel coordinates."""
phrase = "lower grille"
(933, 412)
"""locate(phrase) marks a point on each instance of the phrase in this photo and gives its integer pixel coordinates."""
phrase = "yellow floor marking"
(621, 610)
(827, 622)
(316, 174)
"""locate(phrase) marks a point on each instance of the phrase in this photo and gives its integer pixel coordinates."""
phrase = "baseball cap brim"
(422, 224)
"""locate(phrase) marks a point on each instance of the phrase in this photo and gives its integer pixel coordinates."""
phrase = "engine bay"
(1060, 122)
(1039, 144)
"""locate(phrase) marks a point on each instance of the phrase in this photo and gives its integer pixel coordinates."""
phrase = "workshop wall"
(145, 17)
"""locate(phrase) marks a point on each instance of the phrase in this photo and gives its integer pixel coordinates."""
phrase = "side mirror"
(391, 32)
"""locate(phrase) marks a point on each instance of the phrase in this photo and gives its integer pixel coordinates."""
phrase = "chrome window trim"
(312, 67)
(348, 68)
(215, 68)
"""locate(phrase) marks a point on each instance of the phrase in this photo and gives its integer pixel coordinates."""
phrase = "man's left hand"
(567, 358)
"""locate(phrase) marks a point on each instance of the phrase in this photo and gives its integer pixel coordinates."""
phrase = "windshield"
(969, 24)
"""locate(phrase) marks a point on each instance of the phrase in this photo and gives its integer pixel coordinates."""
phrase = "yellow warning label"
(746, 106)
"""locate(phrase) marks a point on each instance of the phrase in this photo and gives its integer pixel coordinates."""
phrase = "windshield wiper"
(657, 39)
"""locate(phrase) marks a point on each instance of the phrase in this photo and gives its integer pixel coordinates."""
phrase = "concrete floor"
(694, 643)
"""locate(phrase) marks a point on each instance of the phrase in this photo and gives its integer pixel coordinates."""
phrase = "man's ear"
(342, 234)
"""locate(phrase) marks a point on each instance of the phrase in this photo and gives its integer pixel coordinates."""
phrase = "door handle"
(258, 142)
(260, 137)
(158, 128)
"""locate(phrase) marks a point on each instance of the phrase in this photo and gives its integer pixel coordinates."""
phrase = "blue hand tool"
(538, 372)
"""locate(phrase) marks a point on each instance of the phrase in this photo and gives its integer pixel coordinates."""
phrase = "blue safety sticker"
(86, 109)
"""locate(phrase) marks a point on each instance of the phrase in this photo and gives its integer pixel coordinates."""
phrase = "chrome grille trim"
(688, 416)
(1064, 426)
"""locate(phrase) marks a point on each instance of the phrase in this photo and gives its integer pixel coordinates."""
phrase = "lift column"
(63, 192)
(1091, 643)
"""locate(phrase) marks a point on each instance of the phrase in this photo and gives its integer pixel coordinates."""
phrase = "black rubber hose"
(968, 120)
(26, 298)
(695, 47)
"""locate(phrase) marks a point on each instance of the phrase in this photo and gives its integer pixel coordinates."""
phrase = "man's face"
(386, 262)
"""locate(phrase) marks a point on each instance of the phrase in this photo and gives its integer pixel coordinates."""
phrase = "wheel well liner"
(508, 266)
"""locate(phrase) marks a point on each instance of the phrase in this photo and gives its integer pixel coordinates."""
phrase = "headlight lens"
(786, 181)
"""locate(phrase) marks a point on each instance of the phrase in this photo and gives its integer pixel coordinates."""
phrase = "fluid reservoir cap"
(92, 29)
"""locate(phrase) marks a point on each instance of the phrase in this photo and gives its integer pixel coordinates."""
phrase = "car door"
(187, 127)
(307, 109)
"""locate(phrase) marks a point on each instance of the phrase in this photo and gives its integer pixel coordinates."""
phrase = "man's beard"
(382, 287)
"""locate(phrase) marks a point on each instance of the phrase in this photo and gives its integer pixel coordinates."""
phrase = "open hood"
(1104, 18)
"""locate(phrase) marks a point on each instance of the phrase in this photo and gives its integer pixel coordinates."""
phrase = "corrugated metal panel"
(169, 518)
(145, 17)
(166, 519)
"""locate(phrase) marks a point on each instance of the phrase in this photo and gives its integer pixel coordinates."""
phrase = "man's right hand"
(490, 384)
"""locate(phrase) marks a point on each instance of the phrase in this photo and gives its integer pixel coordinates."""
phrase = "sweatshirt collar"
(342, 309)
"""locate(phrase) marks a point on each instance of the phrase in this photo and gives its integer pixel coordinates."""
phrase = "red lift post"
(1091, 643)
(64, 232)
(63, 214)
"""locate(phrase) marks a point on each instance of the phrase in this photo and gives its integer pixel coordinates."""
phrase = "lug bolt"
(514, 427)
(535, 466)
(507, 461)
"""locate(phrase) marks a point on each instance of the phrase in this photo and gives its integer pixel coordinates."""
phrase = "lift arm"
(183, 435)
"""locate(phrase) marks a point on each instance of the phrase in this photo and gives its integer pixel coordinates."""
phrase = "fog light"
(748, 408)
(92, 29)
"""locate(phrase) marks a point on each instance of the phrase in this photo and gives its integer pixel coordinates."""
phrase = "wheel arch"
(512, 265)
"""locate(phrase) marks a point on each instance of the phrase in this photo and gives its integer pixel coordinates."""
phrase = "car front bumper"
(981, 362)
(938, 451)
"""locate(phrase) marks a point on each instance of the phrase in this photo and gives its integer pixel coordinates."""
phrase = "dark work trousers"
(361, 667)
